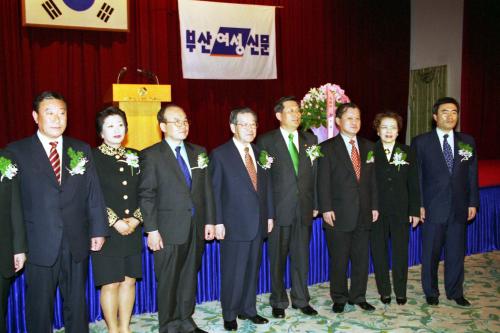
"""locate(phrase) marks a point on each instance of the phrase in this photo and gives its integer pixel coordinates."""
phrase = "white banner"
(227, 41)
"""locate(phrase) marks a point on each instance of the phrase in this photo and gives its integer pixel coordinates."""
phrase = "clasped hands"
(126, 226)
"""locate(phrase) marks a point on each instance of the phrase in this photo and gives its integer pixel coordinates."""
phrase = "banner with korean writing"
(77, 14)
(227, 41)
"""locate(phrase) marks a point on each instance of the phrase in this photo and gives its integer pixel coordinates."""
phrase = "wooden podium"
(141, 103)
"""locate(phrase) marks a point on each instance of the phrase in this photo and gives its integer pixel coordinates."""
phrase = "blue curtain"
(483, 235)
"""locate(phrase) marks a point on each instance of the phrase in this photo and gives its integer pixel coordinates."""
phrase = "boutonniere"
(132, 160)
(314, 152)
(370, 158)
(77, 162)
(202, 161)
(265, 160)
(399, 158)
(464, 150)
(7, 169)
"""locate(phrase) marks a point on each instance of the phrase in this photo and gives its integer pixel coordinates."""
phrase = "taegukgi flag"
(227, 41)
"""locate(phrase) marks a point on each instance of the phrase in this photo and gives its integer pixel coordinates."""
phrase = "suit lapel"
(282, 148)
(65, 162)
(193, 162)
(344, 154)
(456, 156)
(438, 150)
(41, 160)
(169, 157)
(304, 160)
(241, 165)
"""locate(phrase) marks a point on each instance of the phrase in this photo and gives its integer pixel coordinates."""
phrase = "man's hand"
(155, 242)
(315, 212)
(414, 220)
(374, 215)
(329, 217)
(209, 232)
(122, 227)
(19, 260)
(472, 213)
(132, 223)
(220, 231)
(422, 214)
(96, 243)
(270, 225)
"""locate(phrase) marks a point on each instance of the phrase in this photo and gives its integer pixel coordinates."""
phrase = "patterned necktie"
(55, 161)
(183, 166)
(448, 154)
(356, 161)
(294, 154)
(250, 168)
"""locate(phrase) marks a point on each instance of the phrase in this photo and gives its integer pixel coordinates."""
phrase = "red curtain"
(480, 94)
(362, 45)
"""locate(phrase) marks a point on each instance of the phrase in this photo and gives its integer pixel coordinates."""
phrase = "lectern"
(141, 103)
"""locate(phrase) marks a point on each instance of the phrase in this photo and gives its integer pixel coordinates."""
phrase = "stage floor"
(482, 285)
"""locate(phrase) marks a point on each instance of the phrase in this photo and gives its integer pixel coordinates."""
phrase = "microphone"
(122, 70)
(150, 75)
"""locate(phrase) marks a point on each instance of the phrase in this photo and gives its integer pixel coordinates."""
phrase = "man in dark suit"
(293, 178)
(447, 163)
(64, 215)
(176, 201)
(12, 232)
(244, 216)
(347, 196)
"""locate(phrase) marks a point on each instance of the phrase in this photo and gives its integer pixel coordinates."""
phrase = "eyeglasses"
(248, 126)
(178, 123)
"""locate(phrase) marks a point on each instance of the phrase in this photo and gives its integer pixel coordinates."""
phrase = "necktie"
(250, 168)
(448, 155)
(183, 166)
(356, 161)
(55, 161)
(294, 154)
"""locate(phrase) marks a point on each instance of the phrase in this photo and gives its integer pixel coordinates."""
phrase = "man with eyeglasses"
(244, 216)
(293, 174)
(176, 201)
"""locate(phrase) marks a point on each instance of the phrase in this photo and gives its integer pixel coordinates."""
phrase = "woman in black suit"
(399, 206)
(117, 266)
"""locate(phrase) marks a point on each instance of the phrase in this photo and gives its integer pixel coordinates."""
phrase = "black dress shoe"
(431, 300)
(255, 319)
(278, 313)
(364, 305)
(462, 301)
(307, 310)
(401, 300)
(385, 299)
(338, 307)
(231, 325)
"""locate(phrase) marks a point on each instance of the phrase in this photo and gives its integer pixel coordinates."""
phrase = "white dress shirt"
(241, 150)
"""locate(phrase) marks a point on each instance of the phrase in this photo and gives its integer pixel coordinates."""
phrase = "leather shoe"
(401, 300)
(231, 325)
(338, 307)
(198, 330)
(278, 313)
(462, 301)
(307, 310)
(431, 300)
(385, 299)
(364, 305)
(255, 319)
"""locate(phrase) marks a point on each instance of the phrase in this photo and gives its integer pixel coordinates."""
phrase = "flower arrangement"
(370, 157)
(7, 168)
(132, 160)
(77, 162)
(464, 150)
(265, 160)
(313, 104)
(313, 152)
(202, 161)
(399, 158)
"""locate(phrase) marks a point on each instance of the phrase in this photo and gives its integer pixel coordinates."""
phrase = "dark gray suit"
(180, 215)
(293, 197)
(352, 202)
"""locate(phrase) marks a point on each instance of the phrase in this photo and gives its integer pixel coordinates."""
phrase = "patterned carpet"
(482, 288)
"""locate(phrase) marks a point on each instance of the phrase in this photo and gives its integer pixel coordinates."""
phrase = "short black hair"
(343, 108)
(109, 111)
(160, 116)
(279, 105)
(444, 100)
(47, 95)
(235, 112)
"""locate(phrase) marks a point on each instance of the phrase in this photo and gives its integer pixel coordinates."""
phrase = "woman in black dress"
(399, 206)
(117, 266)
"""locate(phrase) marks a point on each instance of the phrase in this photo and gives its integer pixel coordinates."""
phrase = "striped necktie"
(55, 160)
(356, 161)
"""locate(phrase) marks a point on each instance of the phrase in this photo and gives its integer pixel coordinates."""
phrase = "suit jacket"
(74, 210)
(289, 190)
(12, 233)
(338, 188)
(166, 202)
(243, 211)
(398, 187)
(442, 193)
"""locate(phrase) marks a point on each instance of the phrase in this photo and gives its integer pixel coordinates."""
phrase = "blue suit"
(244, 213)
(446, 197)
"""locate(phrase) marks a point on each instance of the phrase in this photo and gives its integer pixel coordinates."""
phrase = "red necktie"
(250, 168)
(356, 161)
(55, 161)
